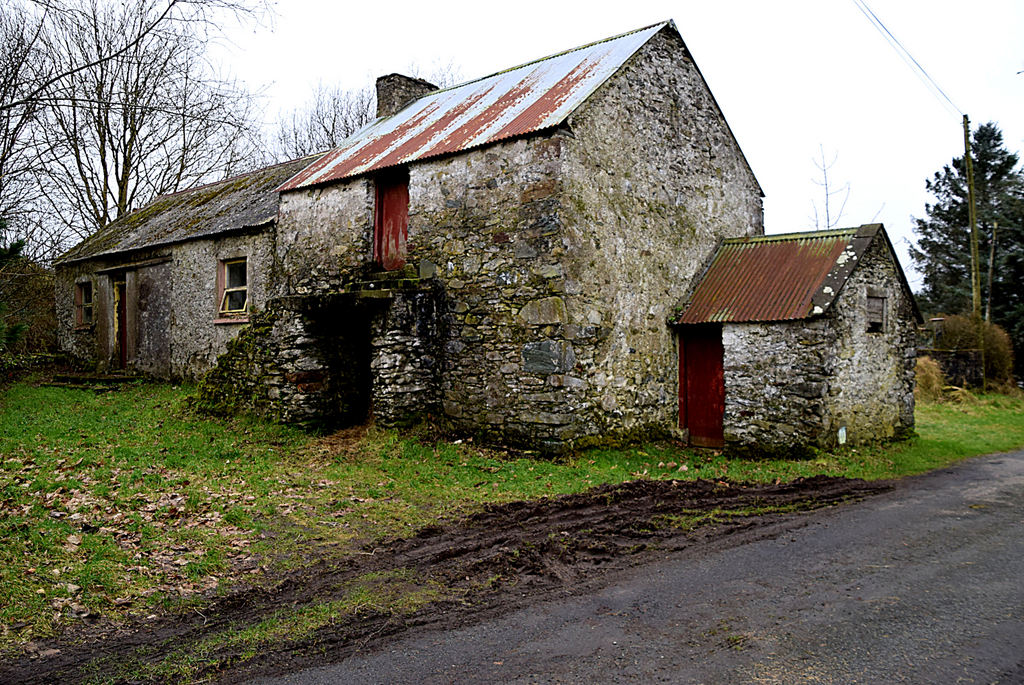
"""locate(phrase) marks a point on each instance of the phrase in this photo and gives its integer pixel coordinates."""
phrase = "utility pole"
(975, 267)
(991, 262)
(972, 217)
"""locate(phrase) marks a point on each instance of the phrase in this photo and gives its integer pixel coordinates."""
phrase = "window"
(876, 314)
(83, 303)
(234, 290)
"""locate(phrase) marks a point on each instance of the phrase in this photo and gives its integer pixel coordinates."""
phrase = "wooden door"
(391, 219)
(701, 384)
(121, 323)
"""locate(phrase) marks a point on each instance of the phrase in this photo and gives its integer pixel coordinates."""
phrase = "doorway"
(120, 325)
(391, 219)
(701, 384)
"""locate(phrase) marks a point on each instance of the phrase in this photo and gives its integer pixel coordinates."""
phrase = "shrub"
(958, 334)
(26, 291)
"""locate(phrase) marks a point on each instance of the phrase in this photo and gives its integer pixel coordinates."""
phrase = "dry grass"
(930, 380)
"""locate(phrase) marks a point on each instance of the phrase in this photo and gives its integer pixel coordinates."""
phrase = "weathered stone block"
(548, 310)
(548, 356)
(808, 390)
(548, 418)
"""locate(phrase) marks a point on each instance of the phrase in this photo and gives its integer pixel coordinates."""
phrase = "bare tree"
(19, 69)
(105, 105)
(152, 121)
(333, 114)
(831, 216)
(41, 83)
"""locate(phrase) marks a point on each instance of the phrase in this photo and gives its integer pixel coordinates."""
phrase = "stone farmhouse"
(565, 253)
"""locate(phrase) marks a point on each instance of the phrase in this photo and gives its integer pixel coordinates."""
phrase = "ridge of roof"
(309, 159)
(795, 235)
(659, 24)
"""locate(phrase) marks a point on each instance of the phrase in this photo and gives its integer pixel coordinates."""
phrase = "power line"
(905, 55)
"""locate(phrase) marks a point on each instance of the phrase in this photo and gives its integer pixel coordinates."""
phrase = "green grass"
(93, 494)
(120, 502)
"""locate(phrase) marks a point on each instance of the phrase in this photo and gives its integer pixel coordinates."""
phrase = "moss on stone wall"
(237, 383)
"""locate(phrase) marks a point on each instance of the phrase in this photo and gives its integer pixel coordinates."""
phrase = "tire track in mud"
(496, 560)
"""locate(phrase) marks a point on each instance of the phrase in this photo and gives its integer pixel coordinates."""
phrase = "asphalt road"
(923, 584)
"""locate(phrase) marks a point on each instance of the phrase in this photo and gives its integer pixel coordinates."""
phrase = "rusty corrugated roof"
(778, 277)
(522, 100)
(244, 201)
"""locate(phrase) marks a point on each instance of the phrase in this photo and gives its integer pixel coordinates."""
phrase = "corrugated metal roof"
(777, 278)
(243, 201)
(522, 100)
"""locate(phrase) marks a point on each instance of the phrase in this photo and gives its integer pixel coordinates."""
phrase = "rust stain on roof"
(515, 102)
(550, 101)
(773, 278)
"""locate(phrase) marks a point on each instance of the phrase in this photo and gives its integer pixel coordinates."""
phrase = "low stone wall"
(269, 369)
(960, 367)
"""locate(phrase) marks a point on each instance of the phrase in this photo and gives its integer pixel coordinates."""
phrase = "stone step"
(385, 285)
(406, 272)
(92, 381)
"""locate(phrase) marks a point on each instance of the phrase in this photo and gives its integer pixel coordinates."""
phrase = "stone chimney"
(395, 91)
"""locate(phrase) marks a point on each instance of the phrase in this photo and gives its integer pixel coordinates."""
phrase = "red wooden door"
(701, 384)
(391, 220)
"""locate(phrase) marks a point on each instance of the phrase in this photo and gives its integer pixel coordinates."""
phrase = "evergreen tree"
(9, 332)
(943, 251)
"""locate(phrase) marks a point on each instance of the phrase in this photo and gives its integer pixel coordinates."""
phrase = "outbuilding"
(799, 340)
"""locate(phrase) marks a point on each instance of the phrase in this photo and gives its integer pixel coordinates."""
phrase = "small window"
(876, 314)
(234, 290)
(83, 303)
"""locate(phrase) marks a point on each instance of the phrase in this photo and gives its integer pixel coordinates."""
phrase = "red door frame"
(702, 384)
(391, 219)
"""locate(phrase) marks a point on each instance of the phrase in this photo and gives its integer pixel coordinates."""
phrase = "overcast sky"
(790, 76)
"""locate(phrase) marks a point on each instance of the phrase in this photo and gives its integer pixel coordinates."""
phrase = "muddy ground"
(497, 560)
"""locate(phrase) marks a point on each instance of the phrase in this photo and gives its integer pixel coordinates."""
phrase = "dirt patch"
(491, 562)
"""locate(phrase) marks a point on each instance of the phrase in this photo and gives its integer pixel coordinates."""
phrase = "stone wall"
(961, 368)
(654, 179)
(196, 341)
(87, 343)
(777, 384)
(276, 368)
(489, 220)
(323, 237)
(872, 392)
(406, 338)
(172, 305)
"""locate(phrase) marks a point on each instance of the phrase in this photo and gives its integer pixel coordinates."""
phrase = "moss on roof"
(249, 200)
